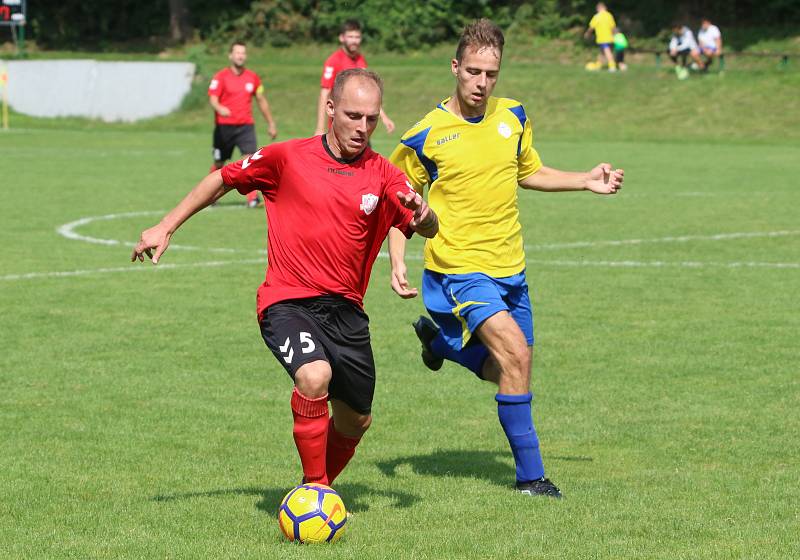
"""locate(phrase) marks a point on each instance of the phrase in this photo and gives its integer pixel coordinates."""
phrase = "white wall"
(111, 91)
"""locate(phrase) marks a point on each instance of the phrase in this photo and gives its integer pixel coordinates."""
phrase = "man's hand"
(604, 180)
(400, 282)
(224, 111)
(388, 123)
(273, 131)
(424, 218)
(157, 237)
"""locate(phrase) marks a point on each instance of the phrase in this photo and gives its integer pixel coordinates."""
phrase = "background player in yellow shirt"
(473, 151)
(603, 24)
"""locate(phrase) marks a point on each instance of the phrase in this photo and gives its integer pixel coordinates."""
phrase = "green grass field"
(143, 417)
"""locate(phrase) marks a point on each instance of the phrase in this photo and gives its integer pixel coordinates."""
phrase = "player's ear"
(454, 67)
(330, 108)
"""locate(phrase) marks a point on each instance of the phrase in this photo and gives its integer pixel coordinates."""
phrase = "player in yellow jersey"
(473, 151)
(603, 24)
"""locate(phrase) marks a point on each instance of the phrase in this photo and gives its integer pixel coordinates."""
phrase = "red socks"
(311, 434)
(340, 450)
(324, 452)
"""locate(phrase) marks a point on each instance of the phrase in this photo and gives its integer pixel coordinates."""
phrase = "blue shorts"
(604, 46)
(460, 303)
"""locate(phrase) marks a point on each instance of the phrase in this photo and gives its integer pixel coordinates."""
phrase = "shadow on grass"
(493, 466)
(356, 496)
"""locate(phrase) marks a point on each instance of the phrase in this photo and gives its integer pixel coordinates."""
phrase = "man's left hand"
(604, 180)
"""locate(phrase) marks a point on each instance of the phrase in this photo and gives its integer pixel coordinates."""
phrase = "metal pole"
(22, 39)
(4, 84)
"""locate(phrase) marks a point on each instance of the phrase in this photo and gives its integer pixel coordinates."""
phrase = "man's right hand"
(400, 282)
(157, 237)
(224, 111)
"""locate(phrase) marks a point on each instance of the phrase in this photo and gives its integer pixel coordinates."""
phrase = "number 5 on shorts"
(307, 344)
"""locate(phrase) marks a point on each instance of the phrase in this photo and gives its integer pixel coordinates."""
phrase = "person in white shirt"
(710, 40)
(682, 45)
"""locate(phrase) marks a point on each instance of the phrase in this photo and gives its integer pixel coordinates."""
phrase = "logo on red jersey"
(328, 72)
(368, 203)
(249, 87)
(251, 158)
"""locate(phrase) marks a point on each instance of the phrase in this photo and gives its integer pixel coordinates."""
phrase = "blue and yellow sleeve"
(410, 158)
(528, 161)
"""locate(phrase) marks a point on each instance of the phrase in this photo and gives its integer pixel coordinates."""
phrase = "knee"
(514, 359)
(355, 426)
(312, 379)
(363, 422)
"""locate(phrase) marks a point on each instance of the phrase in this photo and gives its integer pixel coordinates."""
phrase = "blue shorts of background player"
(604, 46)
(459, 303)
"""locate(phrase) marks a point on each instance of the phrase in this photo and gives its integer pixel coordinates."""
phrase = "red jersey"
(236, 93)
(337, 62)
(327, 218)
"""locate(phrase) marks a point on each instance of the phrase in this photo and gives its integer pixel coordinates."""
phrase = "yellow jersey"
(603, 24)
(472, 170)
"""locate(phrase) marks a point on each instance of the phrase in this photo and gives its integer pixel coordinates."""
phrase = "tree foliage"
(391, 24)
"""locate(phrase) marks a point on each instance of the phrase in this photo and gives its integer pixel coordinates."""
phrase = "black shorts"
(328, 328)
(229, 136)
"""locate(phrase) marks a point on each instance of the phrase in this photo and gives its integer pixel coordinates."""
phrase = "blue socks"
(515, 416)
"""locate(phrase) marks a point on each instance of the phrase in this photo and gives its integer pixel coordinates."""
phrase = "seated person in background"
(710, 40)
(620, 44)
(683, 45)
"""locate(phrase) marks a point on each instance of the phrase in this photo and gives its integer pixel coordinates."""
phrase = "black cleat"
(540, 487)
(426, 331)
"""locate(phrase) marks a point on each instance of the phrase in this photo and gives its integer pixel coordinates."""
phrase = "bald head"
(359, 77)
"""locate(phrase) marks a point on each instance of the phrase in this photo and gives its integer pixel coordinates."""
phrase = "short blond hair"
(481, 33)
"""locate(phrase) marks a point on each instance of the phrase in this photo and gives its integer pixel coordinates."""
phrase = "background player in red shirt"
(230, 94)
(346, 57)
(330, 202)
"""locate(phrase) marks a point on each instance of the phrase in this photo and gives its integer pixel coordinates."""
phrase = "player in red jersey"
(230, 94)
(344, 58)
(330, 202)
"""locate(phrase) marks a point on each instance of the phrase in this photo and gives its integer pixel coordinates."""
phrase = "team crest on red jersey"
(368, 203)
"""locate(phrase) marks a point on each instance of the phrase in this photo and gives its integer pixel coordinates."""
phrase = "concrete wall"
(111, 91)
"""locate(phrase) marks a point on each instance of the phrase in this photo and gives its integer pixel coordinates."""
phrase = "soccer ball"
(312, 513)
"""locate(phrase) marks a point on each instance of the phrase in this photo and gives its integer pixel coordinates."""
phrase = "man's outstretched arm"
(425, 223)
(397, 258)
(602, 179)
(157, 237)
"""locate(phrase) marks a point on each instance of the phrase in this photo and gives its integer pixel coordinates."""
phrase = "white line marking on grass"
(664, 264)
(416, 257)
(133, 267)
(668, 239)
(68, 231)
